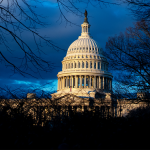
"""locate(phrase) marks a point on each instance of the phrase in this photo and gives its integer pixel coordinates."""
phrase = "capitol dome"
(85, 68)
(85, 44)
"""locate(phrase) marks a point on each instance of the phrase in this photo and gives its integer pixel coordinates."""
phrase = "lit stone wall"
(126, 106)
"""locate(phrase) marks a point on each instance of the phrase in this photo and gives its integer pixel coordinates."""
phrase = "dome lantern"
(85, 27)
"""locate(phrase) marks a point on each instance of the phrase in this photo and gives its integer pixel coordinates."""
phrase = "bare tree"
(139, 8)
(130, 53)
(17, 17)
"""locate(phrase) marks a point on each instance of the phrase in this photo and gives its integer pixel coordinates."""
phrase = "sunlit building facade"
(85, 68)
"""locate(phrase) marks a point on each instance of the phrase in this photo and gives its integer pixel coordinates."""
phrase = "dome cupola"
(85, 27)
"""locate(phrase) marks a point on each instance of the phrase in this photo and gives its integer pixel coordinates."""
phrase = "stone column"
(92, 64)
(72, 82)
(63, 82)
(96, 65)
(66, 81)
(75, 81)
(80, 81)
(85, 81)
(99, 83)
(103, 84)
(90, 82)
(60, 83)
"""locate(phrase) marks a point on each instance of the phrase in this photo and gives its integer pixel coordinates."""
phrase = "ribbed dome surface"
(84, 42)
(87, 44)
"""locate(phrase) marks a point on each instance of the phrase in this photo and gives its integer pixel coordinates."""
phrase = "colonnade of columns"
(85, 81)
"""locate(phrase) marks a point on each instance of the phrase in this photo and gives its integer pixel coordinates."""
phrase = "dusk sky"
(105, 21)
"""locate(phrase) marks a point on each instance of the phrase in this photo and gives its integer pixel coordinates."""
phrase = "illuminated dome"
(84, 45)
(85, 68)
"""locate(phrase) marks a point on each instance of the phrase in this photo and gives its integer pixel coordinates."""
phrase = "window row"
(82, 56)
(94, 65)
(86, 48)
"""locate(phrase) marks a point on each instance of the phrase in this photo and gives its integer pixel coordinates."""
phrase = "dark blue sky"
(105, 21)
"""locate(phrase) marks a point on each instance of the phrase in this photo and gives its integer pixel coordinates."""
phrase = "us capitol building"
(85, 68)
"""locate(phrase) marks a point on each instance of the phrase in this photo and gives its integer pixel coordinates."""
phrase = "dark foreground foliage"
(77, 132)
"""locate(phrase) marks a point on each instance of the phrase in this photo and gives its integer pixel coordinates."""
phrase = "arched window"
(74, 65)
(82, 64)
(69, 65)
(79, 65)
(98, 65)
(66, 66)
(91, 64)
(94, 65)
(86, 64)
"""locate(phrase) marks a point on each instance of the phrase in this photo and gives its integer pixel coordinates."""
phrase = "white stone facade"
(85, 68)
